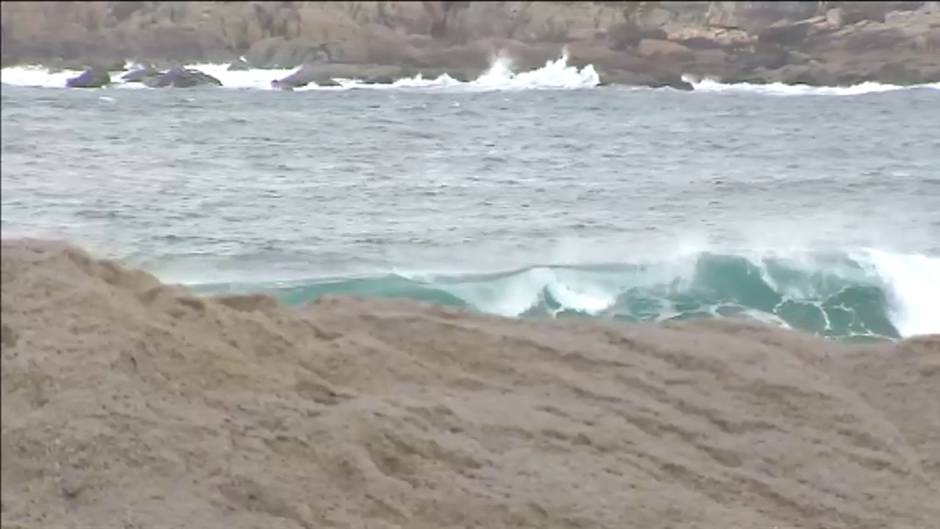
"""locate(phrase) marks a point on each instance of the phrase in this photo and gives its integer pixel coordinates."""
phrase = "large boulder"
(91, 78)
(140, 75)
(324, 74)
(305, 75)
(671, 80)
(181, 78)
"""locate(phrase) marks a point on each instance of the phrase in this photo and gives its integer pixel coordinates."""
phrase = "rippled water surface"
(207, 185)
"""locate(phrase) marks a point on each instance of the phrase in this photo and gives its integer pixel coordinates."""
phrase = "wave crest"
(708, 85)
(871, 294)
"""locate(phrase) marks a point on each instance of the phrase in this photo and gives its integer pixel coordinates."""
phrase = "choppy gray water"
(564, 200)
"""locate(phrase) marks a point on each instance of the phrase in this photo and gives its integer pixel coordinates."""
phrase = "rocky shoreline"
(638, 43)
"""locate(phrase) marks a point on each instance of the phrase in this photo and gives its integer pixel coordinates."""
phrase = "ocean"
(522, 194)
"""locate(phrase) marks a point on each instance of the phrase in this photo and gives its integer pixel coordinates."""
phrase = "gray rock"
(323, 74)
(302, 77)
(380, 79)
(181, 78)
(91, 78)
(672, 81)
(140, 75)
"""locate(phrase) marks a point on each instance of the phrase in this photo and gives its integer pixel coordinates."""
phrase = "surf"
(709, 85)
(862, 295)
(501, 75)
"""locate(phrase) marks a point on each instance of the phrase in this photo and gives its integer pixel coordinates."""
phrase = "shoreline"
(267, 297)
(808, 43)
(351, 76)
(389, 73)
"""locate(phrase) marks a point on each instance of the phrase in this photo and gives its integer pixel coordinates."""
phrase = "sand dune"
(128, 403)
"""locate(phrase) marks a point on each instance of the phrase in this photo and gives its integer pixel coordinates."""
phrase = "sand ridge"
(129, 403)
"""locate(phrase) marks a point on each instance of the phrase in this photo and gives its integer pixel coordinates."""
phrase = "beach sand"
(128, 403)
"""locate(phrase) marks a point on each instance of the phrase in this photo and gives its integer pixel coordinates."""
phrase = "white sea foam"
(37, 76)
(513, 295)
(244, 79)
(911, 281)
(557, 74)
(914, 284)
(782, 89)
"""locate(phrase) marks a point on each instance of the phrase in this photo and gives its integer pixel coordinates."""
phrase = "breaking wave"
(557, 74)
(867, 295)
(554, 75)
(782, 89)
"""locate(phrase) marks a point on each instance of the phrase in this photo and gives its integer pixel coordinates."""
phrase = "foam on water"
(781, 89)
(419, 81)
(868, 294)
(38, 76)
(514, 294)
(555, 74)
(246, 79)
(914, 283)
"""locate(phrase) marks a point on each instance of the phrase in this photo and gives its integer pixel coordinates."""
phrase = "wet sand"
(127, 403)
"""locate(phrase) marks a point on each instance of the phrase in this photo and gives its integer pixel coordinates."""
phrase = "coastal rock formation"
(129, 403)
(141, 74)
(91, 78)
(181, 78)
(324, 74)
(757, 41)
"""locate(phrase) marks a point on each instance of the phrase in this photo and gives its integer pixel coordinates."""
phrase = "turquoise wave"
(835, 296)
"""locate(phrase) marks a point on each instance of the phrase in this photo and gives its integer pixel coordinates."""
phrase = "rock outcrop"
(140, 75)
(817, 42)
(181, 78)
(91, 78)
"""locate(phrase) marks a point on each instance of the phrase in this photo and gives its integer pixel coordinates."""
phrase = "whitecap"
(708, 85)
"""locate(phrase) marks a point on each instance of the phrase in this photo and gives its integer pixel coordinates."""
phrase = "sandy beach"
(130, 403)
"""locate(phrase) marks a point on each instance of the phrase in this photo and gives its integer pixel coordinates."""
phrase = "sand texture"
(127, 403)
